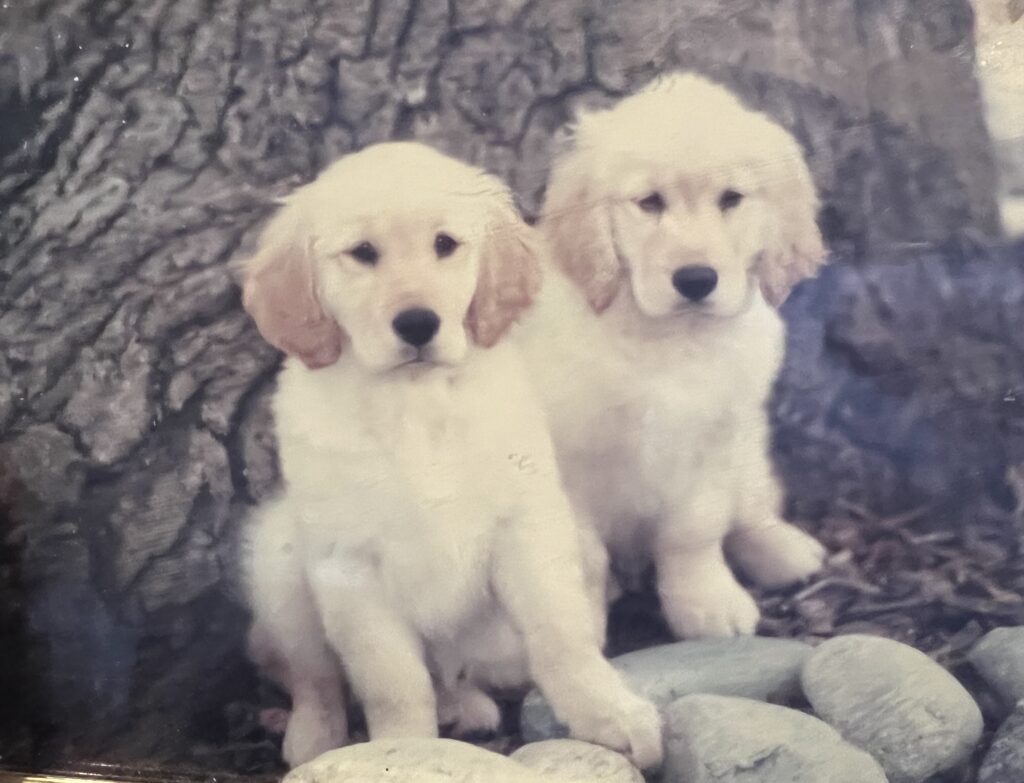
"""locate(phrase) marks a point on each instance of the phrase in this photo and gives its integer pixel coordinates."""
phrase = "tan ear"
(794, 249)
(510, 275)
(577, 228)
(280, 293)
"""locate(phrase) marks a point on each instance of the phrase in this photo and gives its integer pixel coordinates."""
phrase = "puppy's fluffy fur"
(423, 540)
(657, 403)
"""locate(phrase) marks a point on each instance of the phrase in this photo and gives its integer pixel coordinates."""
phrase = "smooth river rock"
(725, 739)
(999, 659)
(1004, 762)
(570, 761)
(894, 702)
(420, 760)
(751, 666)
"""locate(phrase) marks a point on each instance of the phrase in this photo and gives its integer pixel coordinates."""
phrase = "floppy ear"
(280, 293)
(510, 274)
(578, 230)
(794, 249)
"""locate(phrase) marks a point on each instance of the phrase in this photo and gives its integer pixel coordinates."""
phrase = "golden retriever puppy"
(678, 220)
(422, 543)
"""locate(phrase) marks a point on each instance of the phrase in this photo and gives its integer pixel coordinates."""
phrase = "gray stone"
(724, 739)
(751, 666)
(571, 760)
(1004, 762)
(999, 659)
(422, 760)
(895, 702)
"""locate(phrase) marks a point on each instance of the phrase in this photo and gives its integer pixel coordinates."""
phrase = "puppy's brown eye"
(729, 199)
(444, 245)
(653, 203)
(365, 253)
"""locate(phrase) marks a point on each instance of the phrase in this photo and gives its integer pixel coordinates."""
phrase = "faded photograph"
(506, 390)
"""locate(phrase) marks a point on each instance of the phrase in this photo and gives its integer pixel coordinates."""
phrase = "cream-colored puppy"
(679, 219)
(423, 538)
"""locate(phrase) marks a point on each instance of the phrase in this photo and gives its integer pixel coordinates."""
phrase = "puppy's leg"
(770, 551)
(600, 586)
(288, 641)
(539, 580)
(382, 655)
(700, 597)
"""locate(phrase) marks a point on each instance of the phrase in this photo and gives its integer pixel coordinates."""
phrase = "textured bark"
(141, 145)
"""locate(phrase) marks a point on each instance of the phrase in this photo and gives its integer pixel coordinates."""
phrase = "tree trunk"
(142, 144)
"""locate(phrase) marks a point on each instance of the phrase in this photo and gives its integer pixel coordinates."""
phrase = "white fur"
(423, 538)
(657, 404)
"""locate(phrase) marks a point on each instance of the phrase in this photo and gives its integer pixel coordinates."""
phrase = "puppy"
(422, 543)
(678, 221)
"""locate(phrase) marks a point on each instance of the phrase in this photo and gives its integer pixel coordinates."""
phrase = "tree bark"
(142, 144)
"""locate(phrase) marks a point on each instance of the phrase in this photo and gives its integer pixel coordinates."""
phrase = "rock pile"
(855, 709)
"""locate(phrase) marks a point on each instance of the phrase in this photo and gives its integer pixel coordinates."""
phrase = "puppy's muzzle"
(416, 326)
(694, 282)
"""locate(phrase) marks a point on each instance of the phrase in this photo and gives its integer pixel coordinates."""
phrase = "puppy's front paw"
(776, 555)
(468, 710)
(606, 712)
(312, 731)
(719, 609)
(642, 727)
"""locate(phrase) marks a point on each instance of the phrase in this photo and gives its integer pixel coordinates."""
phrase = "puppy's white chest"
(434, 548)
(431, 441)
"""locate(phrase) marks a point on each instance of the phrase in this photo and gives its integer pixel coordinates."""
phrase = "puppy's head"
(687, 195)
(396, 252)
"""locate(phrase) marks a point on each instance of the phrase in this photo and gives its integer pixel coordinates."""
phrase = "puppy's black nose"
(416, 326)
(694, 282)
